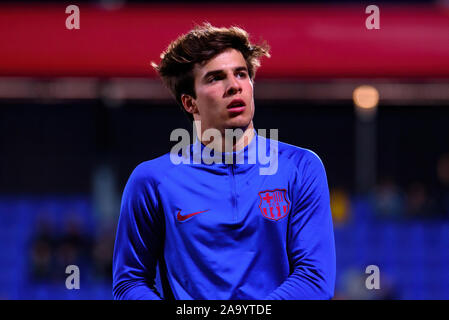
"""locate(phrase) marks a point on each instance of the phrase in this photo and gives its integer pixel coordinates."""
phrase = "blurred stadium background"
(79, 109)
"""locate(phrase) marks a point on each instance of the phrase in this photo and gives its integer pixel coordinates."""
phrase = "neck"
(229, 139)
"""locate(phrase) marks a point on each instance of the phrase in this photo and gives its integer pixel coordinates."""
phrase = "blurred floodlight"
(366, 97)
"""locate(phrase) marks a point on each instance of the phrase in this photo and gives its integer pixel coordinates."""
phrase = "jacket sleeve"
(139, 240)
(311, 246)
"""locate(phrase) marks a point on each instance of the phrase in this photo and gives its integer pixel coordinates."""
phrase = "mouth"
(236, 105)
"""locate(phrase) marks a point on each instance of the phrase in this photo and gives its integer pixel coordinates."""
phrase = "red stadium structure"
(307, 41)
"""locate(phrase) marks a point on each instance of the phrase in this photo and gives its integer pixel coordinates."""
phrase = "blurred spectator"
(388, 199)
(102, 253)
(353, 287)
(73, 247)
(340, 205)
(53, 250)
(42, 250)
(442, 193)
(419, 204)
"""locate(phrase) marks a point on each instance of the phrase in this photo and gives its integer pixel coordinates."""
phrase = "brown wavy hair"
(199, 46)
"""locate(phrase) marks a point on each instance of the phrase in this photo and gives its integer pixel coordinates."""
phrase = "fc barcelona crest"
(274, 204)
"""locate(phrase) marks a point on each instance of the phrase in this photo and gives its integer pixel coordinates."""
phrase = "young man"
(223, 230)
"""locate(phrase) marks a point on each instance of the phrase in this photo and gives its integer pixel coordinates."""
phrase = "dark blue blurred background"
(64, 164)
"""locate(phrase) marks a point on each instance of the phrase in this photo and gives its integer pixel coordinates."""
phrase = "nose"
(234, 86)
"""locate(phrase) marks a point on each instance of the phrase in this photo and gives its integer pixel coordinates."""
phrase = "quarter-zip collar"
(241, 160)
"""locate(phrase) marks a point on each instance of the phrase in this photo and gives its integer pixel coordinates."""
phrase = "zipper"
(233, 193)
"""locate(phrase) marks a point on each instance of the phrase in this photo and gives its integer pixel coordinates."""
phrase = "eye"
(242, 74)
(214, 78)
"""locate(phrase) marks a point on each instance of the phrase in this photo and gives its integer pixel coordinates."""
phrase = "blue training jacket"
(225, 231)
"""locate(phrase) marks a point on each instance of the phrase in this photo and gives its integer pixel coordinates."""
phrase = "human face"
(224, 93)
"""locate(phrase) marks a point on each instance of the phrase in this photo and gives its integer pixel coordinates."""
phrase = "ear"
(188, 102)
